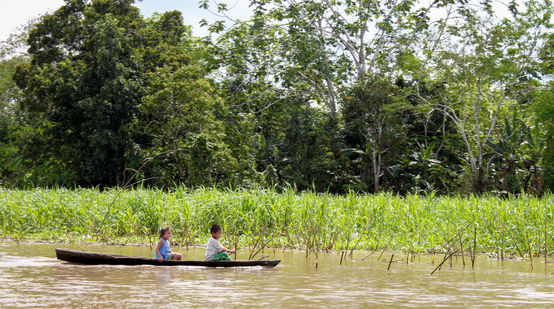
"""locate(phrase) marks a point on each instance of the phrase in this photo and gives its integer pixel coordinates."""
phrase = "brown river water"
(32, 277)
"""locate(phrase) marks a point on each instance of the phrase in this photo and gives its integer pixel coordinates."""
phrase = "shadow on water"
(30, 276)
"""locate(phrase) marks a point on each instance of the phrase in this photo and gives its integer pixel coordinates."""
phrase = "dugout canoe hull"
(93, 258)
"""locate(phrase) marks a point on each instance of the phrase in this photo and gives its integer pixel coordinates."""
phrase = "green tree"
(81, 87)
(432, 152)
(11, 123)
(486, 63)
(317, 47)
(306, 151)
(373, 116)
(544, 108)
(14, 128)
(515, 152)
(165, 42)
(179, 130)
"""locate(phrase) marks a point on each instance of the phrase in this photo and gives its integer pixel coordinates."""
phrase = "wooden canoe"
(85, 257)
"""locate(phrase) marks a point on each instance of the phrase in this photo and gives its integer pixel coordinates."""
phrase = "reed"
(260, 219)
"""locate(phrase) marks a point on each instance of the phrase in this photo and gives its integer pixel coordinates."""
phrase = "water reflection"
(30, 276)
(163, 275)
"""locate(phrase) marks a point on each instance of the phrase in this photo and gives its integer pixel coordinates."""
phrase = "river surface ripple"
(31, 277)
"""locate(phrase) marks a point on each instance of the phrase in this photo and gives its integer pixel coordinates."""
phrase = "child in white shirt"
(214, 250)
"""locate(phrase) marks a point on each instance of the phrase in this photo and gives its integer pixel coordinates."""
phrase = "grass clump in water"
(521, 225)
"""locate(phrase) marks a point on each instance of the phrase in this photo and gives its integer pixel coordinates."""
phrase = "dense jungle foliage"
(403, 96)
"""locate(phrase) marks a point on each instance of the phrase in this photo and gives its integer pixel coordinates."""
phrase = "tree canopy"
(447, 96)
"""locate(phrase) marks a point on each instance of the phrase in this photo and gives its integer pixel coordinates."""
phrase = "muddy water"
(30, 276)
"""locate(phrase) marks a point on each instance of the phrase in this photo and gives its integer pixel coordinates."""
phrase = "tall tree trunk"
(376, 162)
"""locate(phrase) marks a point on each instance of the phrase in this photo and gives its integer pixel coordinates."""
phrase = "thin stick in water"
(462, 250)
(531, 255)
(388, 268)
(444, 260)
(474, 247)
(545, 242)
(502, 248)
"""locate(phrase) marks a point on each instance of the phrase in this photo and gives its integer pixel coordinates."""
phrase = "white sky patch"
(192, 14)
(15, 13)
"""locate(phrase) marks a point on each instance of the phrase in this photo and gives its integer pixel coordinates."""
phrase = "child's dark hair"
(215, 228)
(163, 230)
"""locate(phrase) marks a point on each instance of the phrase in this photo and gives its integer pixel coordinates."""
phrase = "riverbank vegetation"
(450, 97)
(516, 226)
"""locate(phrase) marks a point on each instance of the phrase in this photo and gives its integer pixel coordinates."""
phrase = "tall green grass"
(518, 225)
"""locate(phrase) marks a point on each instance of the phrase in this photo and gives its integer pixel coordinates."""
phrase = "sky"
(14, 13)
